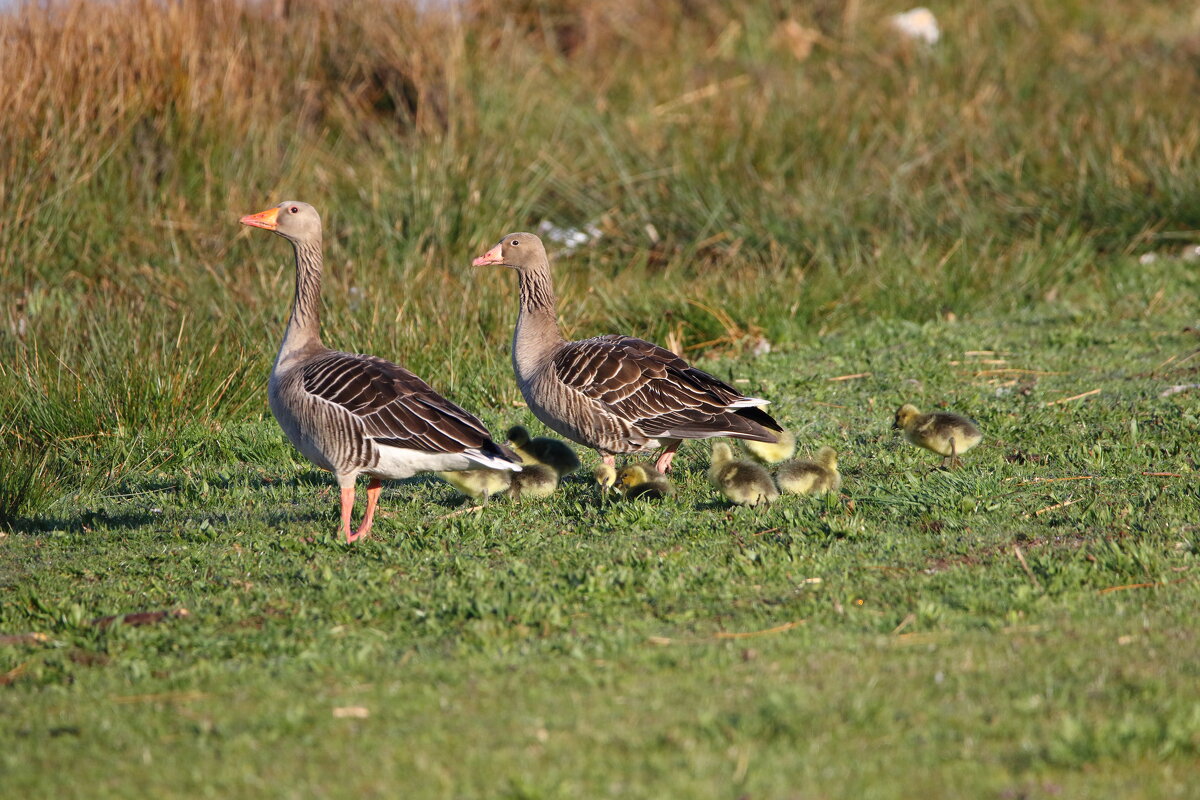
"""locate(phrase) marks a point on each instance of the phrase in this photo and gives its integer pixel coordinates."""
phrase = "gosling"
(643, 480)
(478, 484)
(606, 476)
(811, 477)
(773, 452)
(948, 435)
(534, 481)
(742, 482)
(543, 450)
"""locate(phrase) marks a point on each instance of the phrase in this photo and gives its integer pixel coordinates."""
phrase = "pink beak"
(493, 256)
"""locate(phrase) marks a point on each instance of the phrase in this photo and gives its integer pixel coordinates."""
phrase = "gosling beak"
(493, 256)
(264, 219)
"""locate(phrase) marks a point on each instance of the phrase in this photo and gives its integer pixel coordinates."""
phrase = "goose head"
(293, 220)
(520, 251)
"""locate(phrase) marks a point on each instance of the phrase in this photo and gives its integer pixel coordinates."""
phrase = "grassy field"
(1021, 627)
(995, 224)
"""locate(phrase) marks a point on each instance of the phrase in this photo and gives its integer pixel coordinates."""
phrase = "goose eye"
(515, 243)
(294, 210)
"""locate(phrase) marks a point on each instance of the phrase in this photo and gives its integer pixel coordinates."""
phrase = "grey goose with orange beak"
(355, 414)
(616, 394)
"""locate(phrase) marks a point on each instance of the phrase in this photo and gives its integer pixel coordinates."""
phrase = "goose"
(543, 450)
(773, 452)
(948, 435)
(742, 482)
(615, 394)
(643, 480)
(355, 414)
(811, 477)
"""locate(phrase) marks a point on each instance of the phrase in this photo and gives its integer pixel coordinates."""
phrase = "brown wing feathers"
(395, 406)
(658, 391)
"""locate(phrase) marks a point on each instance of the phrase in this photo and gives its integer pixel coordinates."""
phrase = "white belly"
(396, 463)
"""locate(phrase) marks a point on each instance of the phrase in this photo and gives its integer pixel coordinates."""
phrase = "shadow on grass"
(81, 523)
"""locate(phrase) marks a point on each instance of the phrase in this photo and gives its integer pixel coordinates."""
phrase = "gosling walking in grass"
(772, 452)
(643, 480)
(534, 482)
(606, 477)
(478, 484)
(948, 435)
(554, 453)
(818, 476)
(741, 481)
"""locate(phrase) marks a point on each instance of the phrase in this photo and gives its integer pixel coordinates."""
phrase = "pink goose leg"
(347, 510)
(663, 464)
(373, 490)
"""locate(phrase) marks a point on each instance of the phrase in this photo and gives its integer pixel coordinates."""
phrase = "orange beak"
(493, 256)
(263, 219)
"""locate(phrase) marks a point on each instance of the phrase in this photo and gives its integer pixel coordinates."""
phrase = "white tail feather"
(490, 462)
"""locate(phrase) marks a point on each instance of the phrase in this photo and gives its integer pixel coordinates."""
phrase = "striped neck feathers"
(304, 327)
(537, 335)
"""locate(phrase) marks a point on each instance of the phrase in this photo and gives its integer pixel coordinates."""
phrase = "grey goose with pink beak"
(615, 394)
(354, 414)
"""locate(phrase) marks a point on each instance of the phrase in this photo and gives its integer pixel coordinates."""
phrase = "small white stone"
(568, 238)
(918, 23)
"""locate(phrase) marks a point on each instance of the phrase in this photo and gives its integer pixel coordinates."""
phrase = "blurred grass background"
(755, 171)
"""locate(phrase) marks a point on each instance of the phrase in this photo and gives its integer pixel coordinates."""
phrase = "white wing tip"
(490, 461)
(750, 402)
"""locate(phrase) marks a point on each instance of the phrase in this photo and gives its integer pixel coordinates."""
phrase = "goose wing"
(658, 392)
(396, 407)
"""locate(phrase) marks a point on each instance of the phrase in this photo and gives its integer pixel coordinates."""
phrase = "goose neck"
(304, 326)
(537, 335)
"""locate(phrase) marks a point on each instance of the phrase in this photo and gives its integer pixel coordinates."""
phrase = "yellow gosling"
(643, 480)
(534, 481)
(948, 435)
(773, 452)
(479, 484)
(555, 454)
(742, 482)
(811, 477)
(606, 477)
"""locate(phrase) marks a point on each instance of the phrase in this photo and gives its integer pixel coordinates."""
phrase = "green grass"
(567, 648)
(867, 207)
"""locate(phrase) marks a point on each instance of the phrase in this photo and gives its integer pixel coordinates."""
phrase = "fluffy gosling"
(553, 453)
(742, 482)
(534, 481)
(811, 477)
(773, 452)
(643, 480)
(948, 435)
(606, 477)
(478, 484)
